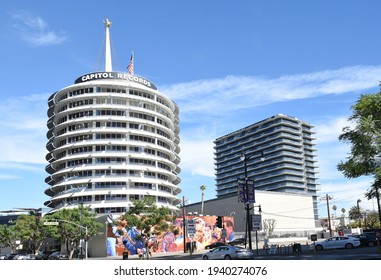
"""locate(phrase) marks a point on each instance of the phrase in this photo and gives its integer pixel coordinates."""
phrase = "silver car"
(336, 242)
(227, 253)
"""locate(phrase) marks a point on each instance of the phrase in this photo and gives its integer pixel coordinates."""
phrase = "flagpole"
(131, 66)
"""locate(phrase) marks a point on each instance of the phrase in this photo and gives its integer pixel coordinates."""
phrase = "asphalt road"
(284, 253)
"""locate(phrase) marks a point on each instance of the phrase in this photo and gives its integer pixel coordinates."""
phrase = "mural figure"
(121, 237)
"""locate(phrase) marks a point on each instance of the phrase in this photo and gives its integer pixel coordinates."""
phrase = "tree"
(354, 213)
(334, 207)
(371, 220)
(30, 229)
(202, 188)
(343, 211)
(365, 141)
(8, 237)
(72, 226)
(374, 192)
(268, 228)
(147, 217)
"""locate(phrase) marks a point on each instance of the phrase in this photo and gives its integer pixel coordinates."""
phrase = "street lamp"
(256, 230)
(184, 225)
(358, 210)
(245, 158)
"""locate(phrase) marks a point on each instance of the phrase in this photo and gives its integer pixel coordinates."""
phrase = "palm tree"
(334, 207)
(202, 188)
(355, 213)
(373, 192)
(343, 211)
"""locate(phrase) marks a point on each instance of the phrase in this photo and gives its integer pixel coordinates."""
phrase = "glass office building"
(280, 157)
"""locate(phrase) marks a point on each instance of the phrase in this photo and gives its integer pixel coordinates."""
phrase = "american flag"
(130, 66)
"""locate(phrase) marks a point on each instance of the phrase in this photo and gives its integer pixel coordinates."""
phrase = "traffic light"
(219, 222)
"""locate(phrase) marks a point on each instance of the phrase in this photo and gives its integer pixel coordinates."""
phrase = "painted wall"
(122, 238)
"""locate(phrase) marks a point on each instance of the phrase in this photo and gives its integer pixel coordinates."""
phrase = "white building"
(113, 138)
(292, 214)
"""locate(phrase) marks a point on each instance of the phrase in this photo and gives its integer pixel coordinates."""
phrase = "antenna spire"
(108, 63)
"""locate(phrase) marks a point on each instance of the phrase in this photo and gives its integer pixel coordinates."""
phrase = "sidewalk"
(282, 252)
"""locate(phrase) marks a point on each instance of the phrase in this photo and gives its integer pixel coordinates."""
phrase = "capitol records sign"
(116, 76)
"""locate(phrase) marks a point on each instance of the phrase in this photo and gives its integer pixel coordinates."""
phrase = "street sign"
(50, 223)
(191, 228)
(257, 222)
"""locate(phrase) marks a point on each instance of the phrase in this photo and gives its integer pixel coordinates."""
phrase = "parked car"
(237, 241)
(228, 252)
(42, 256)
(9, 256)
(20, 257)
(57, 256)
(366, 239)
(31, 257)
(214, 245)
(336, 242)
(220, 253)
(243, 253)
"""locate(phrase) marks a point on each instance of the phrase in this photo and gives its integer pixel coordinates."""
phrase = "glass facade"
(280, 157)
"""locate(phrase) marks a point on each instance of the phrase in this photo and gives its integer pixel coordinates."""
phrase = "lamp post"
(358, 210)
(245, 158)
(256, 230)
(184, 228)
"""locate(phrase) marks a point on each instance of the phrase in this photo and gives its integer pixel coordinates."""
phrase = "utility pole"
(359, 212)
(327, 198)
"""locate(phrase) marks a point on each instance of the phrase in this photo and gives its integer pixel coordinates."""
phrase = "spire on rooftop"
(108, 63)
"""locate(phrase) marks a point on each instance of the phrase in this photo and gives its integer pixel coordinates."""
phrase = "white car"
(227, 253)
(336, 242)
(20, 257)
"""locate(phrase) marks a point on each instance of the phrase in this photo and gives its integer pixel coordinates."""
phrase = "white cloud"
(36, 31)
(8, 177)
(239, 92)
(329, 130)
(197, 156)
(23, 129)
(346, 193)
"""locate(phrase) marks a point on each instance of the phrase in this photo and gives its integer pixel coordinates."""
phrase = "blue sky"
(227, 64)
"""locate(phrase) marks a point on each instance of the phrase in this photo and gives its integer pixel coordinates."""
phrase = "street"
(286, 253)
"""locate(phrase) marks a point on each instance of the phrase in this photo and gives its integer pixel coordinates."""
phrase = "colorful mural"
(123, 238)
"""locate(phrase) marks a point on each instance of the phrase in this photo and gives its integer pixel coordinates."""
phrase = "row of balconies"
(165, 117)
(258, 128)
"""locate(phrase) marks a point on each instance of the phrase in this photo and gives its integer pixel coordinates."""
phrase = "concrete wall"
(97, 245)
